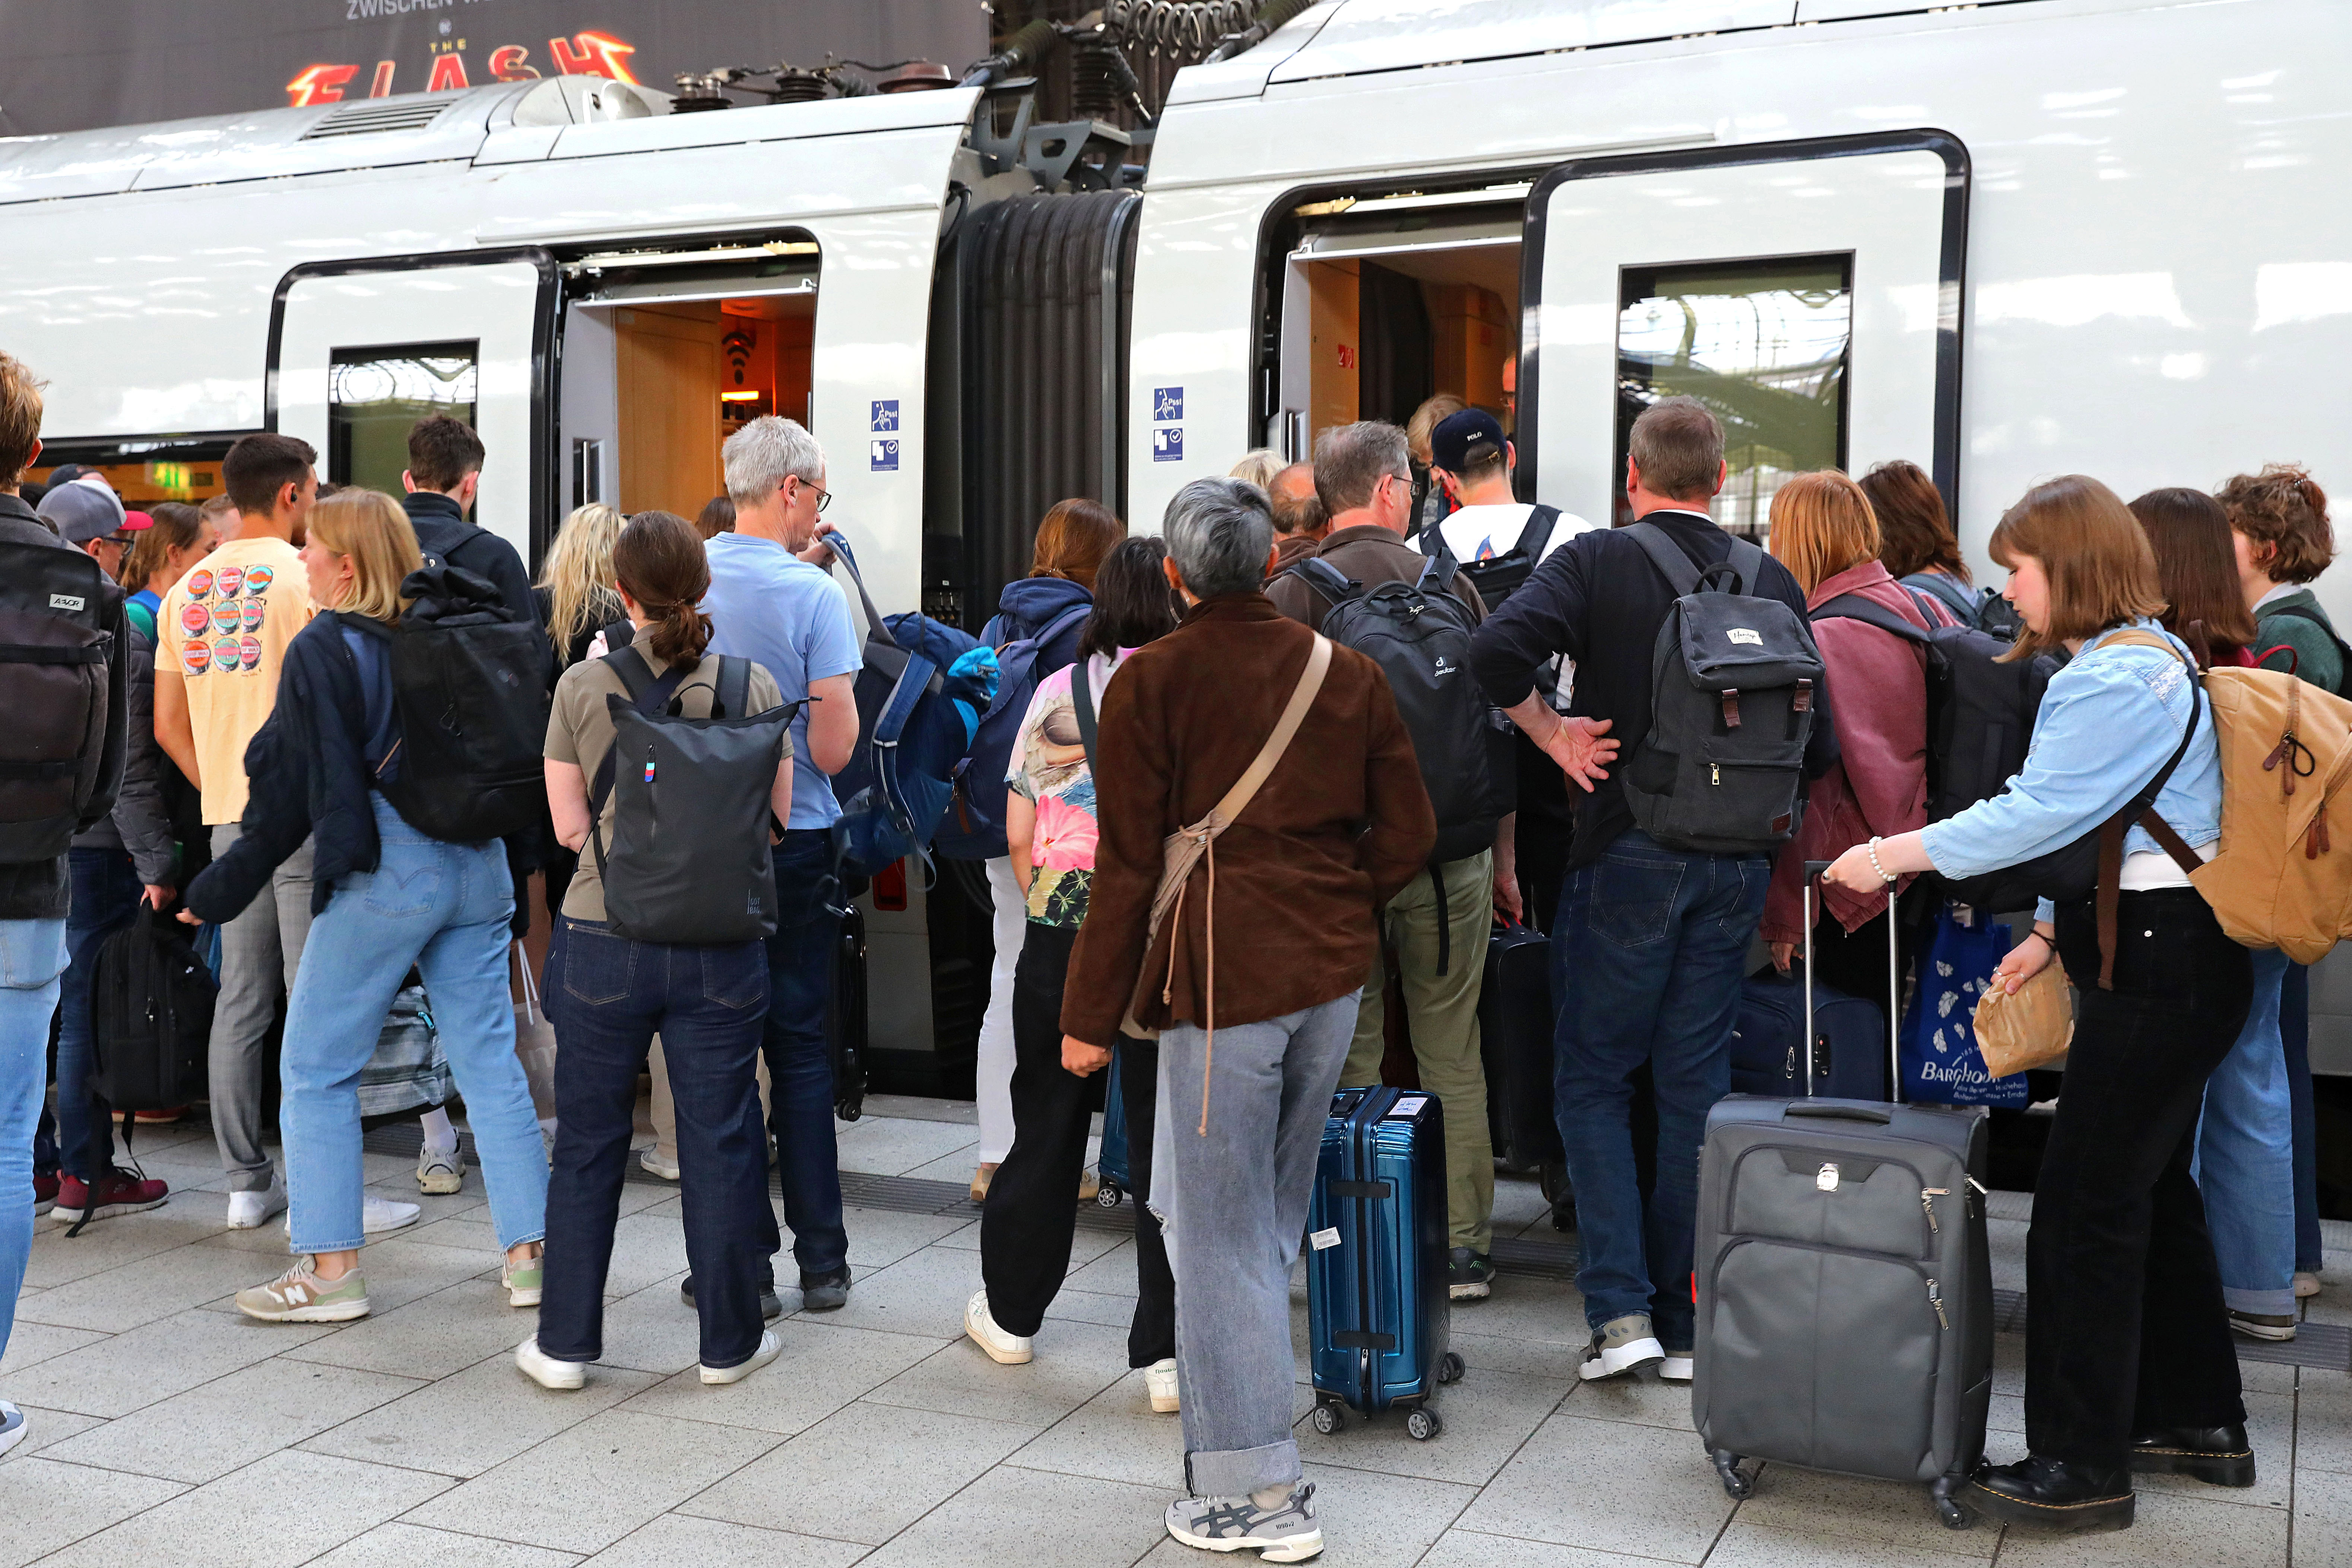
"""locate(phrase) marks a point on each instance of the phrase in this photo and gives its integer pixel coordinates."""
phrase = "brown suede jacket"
(1338, 828)
(1365, 553)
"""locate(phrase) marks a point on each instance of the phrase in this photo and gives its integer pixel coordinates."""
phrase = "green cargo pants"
(1441, 1010)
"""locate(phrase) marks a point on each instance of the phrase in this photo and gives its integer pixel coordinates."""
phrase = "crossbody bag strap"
(874, 625)
(2107, 895)
(1082, 700)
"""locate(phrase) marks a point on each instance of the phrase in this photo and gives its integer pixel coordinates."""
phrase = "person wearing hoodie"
(1072, 540)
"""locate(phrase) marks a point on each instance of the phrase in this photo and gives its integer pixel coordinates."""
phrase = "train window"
(375, 394)
(1765, 344)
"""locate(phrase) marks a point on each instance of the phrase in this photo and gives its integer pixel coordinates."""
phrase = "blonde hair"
(1822, 525)
(369, 529)
(2100, 566)
(1259, 465)
(1422, 426)
(578, 573)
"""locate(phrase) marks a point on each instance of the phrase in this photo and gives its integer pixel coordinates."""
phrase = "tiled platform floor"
(166, 1429)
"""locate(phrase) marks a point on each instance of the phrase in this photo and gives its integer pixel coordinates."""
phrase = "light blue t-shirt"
(769, 606)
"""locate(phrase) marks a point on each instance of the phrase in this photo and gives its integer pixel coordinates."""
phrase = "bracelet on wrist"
(1875, 864)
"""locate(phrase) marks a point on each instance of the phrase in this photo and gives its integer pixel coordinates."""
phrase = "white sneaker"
(545, 1370)
(1008, 1348)
(1160, 1382)
(381, 1214)
(12, 1426)
(653, 1165)
(2306, 1284)
(770, 1348)
(1680, 1366)
(252, 1210)
(440, 1172)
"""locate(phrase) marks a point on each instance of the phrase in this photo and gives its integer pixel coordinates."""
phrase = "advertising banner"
(71, 65)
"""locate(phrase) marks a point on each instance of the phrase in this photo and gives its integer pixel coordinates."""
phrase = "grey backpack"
(689, 862)
(1732, 682)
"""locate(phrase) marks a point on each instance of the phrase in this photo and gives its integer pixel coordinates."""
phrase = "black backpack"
(150, 1019)
(1497, 576)
(1420, 637)
(689, 862)
(470, 685)
(1980, 717)
(2343, 653)
(63, 684)
(1732, 682)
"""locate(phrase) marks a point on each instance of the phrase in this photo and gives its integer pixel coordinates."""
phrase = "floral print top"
(1049, 768)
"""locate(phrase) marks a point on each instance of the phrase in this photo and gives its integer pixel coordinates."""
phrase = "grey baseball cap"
(80, 511)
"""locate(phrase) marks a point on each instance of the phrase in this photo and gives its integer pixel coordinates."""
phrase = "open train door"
(359, 351)
(1809, 292)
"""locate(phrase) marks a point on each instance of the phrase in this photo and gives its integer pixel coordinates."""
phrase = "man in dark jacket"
(1652, 939)
(444, 470)
(33, 886)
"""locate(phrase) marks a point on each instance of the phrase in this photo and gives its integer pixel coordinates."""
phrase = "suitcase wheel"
(1107, 1195)
(1948, 1509)
(1737, 1482)
(1326, 1419)
(1450, 1369)
(1423, 1423)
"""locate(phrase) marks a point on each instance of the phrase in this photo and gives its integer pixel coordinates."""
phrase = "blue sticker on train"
(884, 457)
(886, 414)
(1167, 443)
(1167, 403)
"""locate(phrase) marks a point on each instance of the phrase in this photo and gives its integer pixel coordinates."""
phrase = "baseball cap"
(1456, 433)
(84, 512)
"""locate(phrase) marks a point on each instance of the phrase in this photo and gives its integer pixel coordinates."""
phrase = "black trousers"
(1031, 1216)
(2125, 1327)
(1152, 1334)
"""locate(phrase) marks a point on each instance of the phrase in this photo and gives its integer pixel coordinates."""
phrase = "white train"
(2004, 240)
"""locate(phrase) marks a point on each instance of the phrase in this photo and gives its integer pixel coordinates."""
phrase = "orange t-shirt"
(224, 628)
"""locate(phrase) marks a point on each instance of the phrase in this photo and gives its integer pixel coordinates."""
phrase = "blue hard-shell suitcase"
(1113, 1177)
(1378, 1314)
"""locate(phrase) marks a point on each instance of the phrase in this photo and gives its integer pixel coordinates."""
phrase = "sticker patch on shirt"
(224, 615)
(227, 655)
(200, 583)
(195, 658)
(229, 579)
(196, 620)
(253, 609)
(258, 579)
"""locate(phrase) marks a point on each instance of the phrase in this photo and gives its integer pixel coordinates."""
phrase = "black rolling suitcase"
(1844, 1295)
(1515, 1047)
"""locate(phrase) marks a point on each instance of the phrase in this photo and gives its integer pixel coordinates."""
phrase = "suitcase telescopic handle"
(1813, 869)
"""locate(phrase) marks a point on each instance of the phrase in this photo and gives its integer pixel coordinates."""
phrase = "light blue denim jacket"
(2109, 720)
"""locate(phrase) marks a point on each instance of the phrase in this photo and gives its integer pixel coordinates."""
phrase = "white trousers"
(992, 1082)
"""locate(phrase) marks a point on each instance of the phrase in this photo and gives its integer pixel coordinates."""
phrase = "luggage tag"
(1322, 1238)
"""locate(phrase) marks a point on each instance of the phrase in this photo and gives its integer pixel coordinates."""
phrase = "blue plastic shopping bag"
(1942, 1063)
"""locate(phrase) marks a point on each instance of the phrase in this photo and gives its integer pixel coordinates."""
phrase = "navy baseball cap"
(1451, 442)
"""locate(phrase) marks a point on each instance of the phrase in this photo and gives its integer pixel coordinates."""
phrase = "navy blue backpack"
(920, 692)
(974, 827)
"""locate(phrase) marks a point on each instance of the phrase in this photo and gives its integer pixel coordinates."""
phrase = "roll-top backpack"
(1496, 577)
(1981, 717)
(973, 827)
(150, 1020)
(1418, 634)
(689, 861)
(1732, 682)
(469, 682)
(61, 676)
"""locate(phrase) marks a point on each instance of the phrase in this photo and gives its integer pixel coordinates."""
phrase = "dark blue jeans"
(1647, 955)
(800, 1068)
(2294, 1030)
(105, 897)
(608, 996)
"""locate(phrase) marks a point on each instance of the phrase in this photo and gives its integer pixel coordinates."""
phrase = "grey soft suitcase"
(1845, 1315)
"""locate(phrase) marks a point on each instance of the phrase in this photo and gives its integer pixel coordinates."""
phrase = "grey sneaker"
(825, 1292)
(1285, 1534)
(440, 1172)
(1621, 1345)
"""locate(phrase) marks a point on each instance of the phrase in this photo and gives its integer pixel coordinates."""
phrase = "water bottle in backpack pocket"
(974, 827)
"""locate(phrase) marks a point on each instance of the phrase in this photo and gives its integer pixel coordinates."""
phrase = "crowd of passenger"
(264, 753)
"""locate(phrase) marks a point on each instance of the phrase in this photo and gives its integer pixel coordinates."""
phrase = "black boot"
(2052, 1494)
(2219, 1456)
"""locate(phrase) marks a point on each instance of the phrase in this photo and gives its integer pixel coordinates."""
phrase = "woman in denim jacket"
(2129, 1362)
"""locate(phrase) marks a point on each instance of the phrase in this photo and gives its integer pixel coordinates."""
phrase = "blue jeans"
(32, 955)
(2245, 1157)
(2295, 1031)
(105, 896)
(799, 1068)
(1647, 953)
(445, 909)
(609, 996)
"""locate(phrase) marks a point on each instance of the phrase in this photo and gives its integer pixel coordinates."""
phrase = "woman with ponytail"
(609, 994)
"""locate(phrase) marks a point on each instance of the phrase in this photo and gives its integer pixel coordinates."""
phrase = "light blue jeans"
(32, 956)
(445, 909)
(2245, 1157)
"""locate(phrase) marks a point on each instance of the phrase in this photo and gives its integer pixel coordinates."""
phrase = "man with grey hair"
(1655, 936)
(773, 600)
(1251, 980)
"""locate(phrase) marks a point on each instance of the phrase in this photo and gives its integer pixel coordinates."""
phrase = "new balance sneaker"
(12, 1426)
(770, 1348)
(440, 1172)
(1468, 1275)
(1160, 1382)
(118, 1191)
(523, 1281)
(45, 1196)
(824, 1292)
(979, 1327)
(2262, 1325)
(252, 1210)
(1621, 1345)
(299, 1296)
(1679, 1367)
(1286, 1532)
(545, 1370)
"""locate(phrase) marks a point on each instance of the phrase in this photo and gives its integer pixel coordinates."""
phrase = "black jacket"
(1599, 599)
(141, 823)
(447, 538)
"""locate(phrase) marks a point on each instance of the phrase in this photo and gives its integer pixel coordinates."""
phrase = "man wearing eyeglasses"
(90, 516)
(772, 601)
